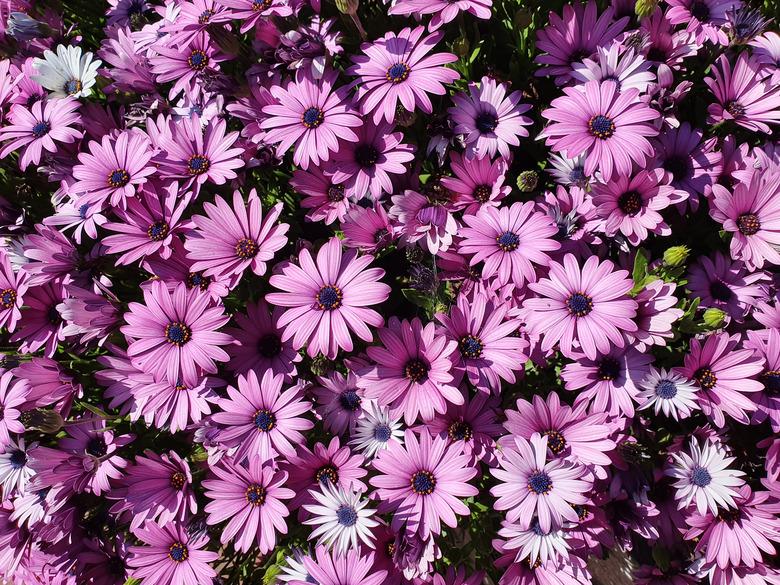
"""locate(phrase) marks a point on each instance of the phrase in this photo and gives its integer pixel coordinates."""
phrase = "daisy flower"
(352, 569)
(13, 286)
(725, 374)
(15, 473)
(252, 11)
(311, 115)
(421, 481)
(170, 556)
(174, 405)
(443, 11)
(368, 229)
(655, 314)
(750, 213)
(568, 171)
(13, 393)
(510, 241)
(609, 127)
(186, 65)
(703, 477)
(533, 544)
(339, 400)
(573, 213)
(41, 325)
(424, 221)
(742, 95)
(375, 430)
(325, 200)
(396, 68)
(668, 392)
(259, 419)
(328, 299)
(39, 128)
(477, 182)
(588, 305)
(530, 485)
(489, 120)
(617, 63)
(68, 73)
(114, 169)
(340, 519)
(251, 498)
(413, 367)
(228, 240)
(726, 284)
(704, 19)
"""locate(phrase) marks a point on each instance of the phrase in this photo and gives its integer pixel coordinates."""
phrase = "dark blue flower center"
(666, 389)
(720, 291)
(246, 248)
(196, 279)
(609, 369)
(508, 241)
(255, 495)
(177, 333)
(269, 346)
(178, 480)
(771, 380)
(18, 459)
(366, 155)
(96, 447)
(313, 117)
(158, 231)
(118, 178)
(205, 16)
(83, 211)
(261, 5)
(706, 378)
(579, 304)
(8, 298)
(54, 315)
(556, 442)
(349, 400)
(630, 203)
(41, 129)
(423, 483)
(329, 297)
(264, 420)
(601, 127)
(470, 347)
(382, 433)
(748, 224)
(397, 73)
(72, 86)
(736, 109)
(327, 474)
(539, 483)
(577, 175)
(346, 515)
(178, 552)
(486, 122)
(700, 477)
(198, 164)
(198, 60)
(416, 370)
(460, 430)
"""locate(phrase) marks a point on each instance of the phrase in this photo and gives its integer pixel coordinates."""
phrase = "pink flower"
(13, 394)
(477, 182)
(443, 11)
(13, 286)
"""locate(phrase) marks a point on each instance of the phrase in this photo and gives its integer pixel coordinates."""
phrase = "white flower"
(14, 471)
(668, 392)
(374, 431)
(67, 73)
(704, 476)
(534, 544)
(341, 519)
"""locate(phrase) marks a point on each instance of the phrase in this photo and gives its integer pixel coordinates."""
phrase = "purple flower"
(254, 11)
(704, 19)
(477, 182)
(41, 325)
(13, 286)
(352, 568)
(13, 393)
(725, 284)
(655, 314)
(326, 200)
(621, 65)
(430, 224)
(186, 65)
(443, 11)
(368, 229)
(339, 400)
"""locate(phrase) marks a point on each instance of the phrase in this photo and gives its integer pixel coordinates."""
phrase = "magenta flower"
(655, 314)
(251, 498)
(615, 62)
(704, 19)
(185, 65)
(725, 284)
(13, 394)
(725, 373)
(50, 255)
(532, 486)
(743, 95)
(228, 240)
(349, 569)
(477, 182)
(39, 128)
(489, 120)
(588, 306)
(174, 333)
(259, 419)
(429, 224)
(13, 286)
(443, 11)
(611, 128)
(397, 68)
(574, 215)
(252, 11)
(751, 212)
(174, 405)
(311, 115)
(412, 374)
(368, 229)
(510, 241)
(328, 299)
(114, 169)
(488, 349)
(41, 325)
(339, 401)
(421, 481)
(171, 556)
(326, 200)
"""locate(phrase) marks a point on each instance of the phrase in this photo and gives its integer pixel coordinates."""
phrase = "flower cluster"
(413, 292)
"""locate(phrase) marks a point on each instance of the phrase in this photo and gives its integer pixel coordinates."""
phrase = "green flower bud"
(321, 366)
(676, 255)
(714, 318)
(461, 46)
(522, 19)
(527, 181)
(644, 8)
(348, 6)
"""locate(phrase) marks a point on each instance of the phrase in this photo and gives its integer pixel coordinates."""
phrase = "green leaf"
(661, 557)
(640, 266)
(422, 299)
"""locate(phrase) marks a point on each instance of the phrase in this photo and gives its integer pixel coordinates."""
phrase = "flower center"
(577, 175)
(83, 211)
(349, 400)
(486, 122)
(609, 369)
(729, 516)
(556, 442)
(8, 298)
(269, 345)
(736, 109)
(700, 477)
(706, 378)
(601, 127)
(748, 224)
(482, 193)
(470, 347)
(416, 370)
(329, 297)
(423, 483)
(460, 430)
(262, 5)
(678, 166)
(198, 60)
(178, 552)
(198, 164)
(264, 420)
(72, 86)
(205, 16)
(41, 129)
(54, 315)
(380, 235)
(118, 178)
(178, 480)
(346, 515)
(335, 193)
(630, 203)
(255, 495)
(327, 474)
(196, 279)
(382, 433)
(539, 483)
(246, 248)
(158, 231)
(666, 389)
(700, 10)
(579, 304)
(96, 447)
(582, 512)
(720, 291)
(18, 459)
(398, 73)
(177, 333)
(312, 117)
(366, 155)
(508, 241)
(771, 380)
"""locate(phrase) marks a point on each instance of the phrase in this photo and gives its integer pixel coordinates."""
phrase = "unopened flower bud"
(348, 6)
(676, 255)
(321, 366)
(527, 181)
(522, 19)
(714, 318)
(644, 8)
(461, 46)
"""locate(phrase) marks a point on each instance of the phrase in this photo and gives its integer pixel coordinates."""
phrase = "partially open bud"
(676, 255)
(527, 181)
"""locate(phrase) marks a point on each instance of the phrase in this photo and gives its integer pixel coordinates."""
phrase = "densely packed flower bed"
(433, 291)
